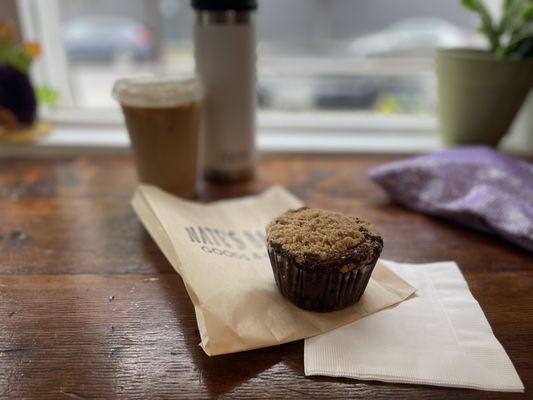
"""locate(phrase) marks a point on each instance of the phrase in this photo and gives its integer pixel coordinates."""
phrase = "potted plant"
(480, 92)
(18, 97)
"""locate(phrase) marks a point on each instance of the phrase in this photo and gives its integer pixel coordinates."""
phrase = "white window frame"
(40, 21)
(277, 131)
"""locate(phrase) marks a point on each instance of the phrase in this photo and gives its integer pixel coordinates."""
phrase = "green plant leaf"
(470, 4)
(46, 95)
(522, 50)
(518, 39)
(511, 13)
(487, 26)
(518, 19)
(512, 36)
(16, 55)
(527, 12)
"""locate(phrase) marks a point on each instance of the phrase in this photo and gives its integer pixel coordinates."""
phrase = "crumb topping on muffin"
(318, 234)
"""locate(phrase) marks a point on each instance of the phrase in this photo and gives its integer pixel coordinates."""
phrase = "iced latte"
(163, 116)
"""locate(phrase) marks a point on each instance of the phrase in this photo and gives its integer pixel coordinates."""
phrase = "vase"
(479, 95)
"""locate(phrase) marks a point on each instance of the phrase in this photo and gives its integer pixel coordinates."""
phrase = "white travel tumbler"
(225, 55)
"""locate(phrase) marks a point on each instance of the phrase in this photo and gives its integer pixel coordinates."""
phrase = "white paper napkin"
(440, 336)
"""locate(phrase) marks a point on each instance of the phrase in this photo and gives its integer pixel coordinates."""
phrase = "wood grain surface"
(90, 308)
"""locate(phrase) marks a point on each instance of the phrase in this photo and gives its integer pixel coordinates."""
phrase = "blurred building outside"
(312, 54)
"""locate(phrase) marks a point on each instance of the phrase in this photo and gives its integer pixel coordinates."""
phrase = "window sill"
(277, 133)
(103, 132)
(73, 140)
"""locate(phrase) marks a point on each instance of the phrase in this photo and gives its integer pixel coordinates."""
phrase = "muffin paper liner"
(318, 291)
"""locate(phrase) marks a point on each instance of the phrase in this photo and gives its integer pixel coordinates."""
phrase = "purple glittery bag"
(475, 186)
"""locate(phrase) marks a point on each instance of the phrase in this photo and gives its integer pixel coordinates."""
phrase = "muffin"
(322, 260)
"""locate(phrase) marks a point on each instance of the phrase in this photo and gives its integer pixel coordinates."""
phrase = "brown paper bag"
(219, 250)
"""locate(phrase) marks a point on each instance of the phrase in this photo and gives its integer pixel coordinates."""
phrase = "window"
(353, 63)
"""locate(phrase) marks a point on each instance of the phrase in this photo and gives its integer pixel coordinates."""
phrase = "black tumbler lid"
(223, 5)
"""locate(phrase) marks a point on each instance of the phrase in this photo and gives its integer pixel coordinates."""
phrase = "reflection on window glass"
(335, 55)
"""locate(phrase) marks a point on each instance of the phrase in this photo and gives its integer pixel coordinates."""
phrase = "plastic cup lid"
(158, 91)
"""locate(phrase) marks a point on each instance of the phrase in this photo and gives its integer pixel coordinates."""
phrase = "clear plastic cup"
(163, 120)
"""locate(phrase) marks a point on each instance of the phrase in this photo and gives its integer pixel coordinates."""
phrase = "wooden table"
(90, 308)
